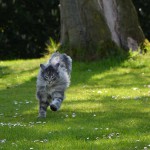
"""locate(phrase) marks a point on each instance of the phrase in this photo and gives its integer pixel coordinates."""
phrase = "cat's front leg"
(43, 104)
(57, 99)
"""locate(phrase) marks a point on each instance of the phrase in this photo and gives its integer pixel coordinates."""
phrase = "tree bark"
(87, 24)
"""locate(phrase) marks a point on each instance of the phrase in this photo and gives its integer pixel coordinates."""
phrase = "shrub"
(26, 26)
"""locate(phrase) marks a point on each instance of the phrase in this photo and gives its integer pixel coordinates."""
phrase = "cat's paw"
(55, 104)
(42, 115)
(53, 107)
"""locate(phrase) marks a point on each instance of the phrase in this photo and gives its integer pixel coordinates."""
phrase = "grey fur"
(52, 81)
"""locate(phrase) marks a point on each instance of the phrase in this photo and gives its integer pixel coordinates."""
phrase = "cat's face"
(50, 74)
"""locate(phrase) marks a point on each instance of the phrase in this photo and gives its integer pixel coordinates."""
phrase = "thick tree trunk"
(87, 24)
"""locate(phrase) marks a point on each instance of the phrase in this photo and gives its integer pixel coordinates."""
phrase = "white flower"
(135, 88)
(15, 102)
(45, 140)
(114, 97)
(89, 70)
(38, 122)
(3, 141)
(99, 92)
(137, 140)
(73, 115)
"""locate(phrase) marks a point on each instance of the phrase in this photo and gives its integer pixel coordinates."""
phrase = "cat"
(52, 81)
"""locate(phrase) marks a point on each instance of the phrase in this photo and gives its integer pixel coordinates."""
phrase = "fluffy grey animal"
(52, 81)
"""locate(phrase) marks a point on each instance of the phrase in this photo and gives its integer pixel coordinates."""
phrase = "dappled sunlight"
(104, 106)
(18, 72)
(84, 105)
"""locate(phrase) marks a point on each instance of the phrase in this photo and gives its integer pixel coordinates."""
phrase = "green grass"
(107, 107)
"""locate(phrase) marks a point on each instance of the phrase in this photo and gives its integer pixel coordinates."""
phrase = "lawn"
(107, 107)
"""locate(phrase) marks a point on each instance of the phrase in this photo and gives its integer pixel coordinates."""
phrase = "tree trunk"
(88, 25)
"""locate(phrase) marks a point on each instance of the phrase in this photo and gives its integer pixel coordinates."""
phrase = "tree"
(92, 27)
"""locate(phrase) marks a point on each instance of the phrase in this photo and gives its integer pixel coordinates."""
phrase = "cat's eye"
(53, 76)
(45, 76)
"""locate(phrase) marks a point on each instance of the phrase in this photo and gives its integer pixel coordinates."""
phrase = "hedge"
(26, 26)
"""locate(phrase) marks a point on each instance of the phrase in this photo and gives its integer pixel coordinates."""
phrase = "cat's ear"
(42, 67)
(56, 66)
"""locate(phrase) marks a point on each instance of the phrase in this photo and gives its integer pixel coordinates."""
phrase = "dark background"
(26, 26)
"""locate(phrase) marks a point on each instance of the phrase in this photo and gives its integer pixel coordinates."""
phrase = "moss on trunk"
(128, 23)
(85, 27)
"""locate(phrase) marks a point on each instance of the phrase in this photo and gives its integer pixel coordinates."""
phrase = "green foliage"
(143, 49)
(109, 49)
(146, 45)
(106, 107)
(52, 46)
(26, 26)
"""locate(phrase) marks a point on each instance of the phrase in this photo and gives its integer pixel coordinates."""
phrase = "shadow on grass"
(4, 70)
(82, 72)
(118, 80)
(126, 120)
(119, 125)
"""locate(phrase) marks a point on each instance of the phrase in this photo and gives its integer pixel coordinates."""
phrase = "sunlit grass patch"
(107, 107)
